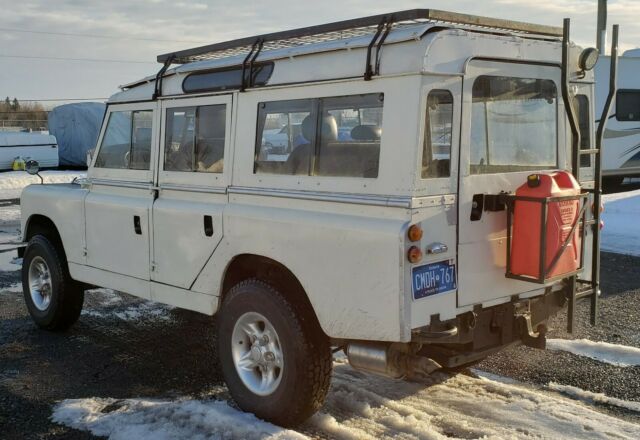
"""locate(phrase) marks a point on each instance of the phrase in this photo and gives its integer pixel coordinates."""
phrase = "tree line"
(16, 115)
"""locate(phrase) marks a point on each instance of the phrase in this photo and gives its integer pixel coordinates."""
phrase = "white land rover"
(377, 225)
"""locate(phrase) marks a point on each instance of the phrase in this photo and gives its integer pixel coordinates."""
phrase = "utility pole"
(601, 36)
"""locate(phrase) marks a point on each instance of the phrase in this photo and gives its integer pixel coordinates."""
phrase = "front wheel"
(53, 299)
(275, 361)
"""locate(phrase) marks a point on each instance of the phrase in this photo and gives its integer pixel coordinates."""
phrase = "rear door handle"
(136, 224)
(208, 226)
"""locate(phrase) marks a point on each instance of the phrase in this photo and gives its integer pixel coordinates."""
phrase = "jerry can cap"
(533, 180)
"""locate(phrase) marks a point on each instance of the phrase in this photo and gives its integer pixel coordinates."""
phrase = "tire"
(59, 307)
(300, 384)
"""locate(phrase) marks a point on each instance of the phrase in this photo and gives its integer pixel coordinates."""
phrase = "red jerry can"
(561, 216)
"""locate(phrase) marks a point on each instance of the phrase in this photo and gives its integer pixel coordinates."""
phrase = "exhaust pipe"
(382, 359)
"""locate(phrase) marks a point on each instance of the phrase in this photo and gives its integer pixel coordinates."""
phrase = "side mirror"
(33, 167)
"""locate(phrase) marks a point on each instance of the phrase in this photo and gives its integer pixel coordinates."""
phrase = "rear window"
(628, 105)
(514, 124)
(436, 156)
(333, 136)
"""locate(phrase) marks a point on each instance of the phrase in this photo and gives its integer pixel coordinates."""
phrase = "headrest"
(366, 133)
(329, 128)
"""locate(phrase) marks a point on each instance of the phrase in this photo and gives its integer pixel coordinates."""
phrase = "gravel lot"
(124, 347)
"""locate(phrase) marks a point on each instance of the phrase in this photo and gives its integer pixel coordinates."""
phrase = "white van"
(621, 147)
(28, 146)
(378, 226)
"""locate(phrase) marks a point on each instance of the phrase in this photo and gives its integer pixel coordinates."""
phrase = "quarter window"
(514, 124)
(628, 105)
(436, 156)
(336, 136)
(127, 141)
(581, 104)
(195, 138)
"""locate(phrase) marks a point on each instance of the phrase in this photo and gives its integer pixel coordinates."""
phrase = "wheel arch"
(247, 266)
(38, 224)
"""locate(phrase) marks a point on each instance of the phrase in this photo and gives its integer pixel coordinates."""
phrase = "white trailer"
(621, 145)
(28, 146)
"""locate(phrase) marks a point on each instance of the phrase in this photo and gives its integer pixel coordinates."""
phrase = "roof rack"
(347, 29)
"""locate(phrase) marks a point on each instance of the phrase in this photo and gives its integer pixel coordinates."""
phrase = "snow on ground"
(109, 306)
(362, 406)
(588, 396)
(614, 354)
(621, 231)
(12, 182)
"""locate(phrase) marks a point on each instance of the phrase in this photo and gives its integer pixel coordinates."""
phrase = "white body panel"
(28, 146)
(621, 143)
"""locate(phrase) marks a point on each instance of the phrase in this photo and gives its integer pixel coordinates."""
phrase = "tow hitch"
(530, 338)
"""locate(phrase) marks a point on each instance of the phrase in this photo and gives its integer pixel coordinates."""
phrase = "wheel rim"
(257, 353)
(40, 286)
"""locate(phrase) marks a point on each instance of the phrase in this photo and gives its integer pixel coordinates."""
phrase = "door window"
(514, 124)
(195, 138)
(436, 155)
(126, 143)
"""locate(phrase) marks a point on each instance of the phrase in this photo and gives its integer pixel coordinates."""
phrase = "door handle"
(208, 226)
(437, 248)
(136, 224)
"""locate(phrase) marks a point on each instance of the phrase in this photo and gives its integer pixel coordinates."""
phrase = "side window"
(628, 105)
(514, 124)
(194, 139)
(285, 132)
(581, 104)
(127, 141)
(349, 140)
(338, 136)
(436, 156)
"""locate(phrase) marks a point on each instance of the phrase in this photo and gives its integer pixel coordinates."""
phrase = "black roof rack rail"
(350, 28)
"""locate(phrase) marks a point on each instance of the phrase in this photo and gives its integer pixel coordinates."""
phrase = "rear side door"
(118, 205)
(192, 187)
(510, 129)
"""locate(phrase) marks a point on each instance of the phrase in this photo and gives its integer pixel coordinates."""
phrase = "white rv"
(377, 226)
(28, 146)
(621, 144)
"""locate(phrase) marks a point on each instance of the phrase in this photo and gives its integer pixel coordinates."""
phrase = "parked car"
(390, 243)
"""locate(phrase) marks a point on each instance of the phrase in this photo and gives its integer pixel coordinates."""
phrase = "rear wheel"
(275, 361)
(53, 299)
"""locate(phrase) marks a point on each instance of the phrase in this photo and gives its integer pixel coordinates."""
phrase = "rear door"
(192, 187)
(510, 129)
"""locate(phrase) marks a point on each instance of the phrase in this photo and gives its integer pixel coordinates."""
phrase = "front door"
(118, 206)
(511, 128)
(192, 182)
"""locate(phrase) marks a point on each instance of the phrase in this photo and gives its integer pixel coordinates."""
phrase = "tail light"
(414, 233)
(414, 254)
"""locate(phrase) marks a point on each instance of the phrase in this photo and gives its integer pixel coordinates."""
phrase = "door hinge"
(84, 252)
(153, 266)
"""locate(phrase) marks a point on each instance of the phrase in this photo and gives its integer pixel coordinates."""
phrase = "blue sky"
(141, 29)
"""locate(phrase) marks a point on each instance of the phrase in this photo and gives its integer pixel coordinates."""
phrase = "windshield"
(514, 124)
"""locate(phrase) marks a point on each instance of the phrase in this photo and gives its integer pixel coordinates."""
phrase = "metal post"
(601, 32)
(568, 100)
(597, 191)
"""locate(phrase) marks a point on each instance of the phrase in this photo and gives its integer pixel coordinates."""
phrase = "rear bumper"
(474, 335)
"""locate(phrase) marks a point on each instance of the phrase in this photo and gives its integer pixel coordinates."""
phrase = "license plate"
(432, 279)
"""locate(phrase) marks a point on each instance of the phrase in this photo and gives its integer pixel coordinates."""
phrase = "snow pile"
(109, 306)
(614, 354)
(362, 406)
(621, 231)
(12, 182)
(158, 420)
(588, 396)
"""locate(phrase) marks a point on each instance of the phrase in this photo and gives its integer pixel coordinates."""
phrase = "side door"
(511, 128)
(118, 205)
(192, 187)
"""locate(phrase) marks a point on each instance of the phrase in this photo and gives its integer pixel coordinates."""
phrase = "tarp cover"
(76, 127)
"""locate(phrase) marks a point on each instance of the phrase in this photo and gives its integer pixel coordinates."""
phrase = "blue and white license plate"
(433, 278)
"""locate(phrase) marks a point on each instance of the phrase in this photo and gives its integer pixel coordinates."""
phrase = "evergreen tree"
(16, 104)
